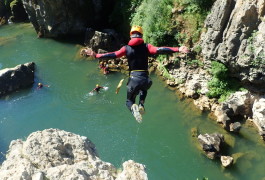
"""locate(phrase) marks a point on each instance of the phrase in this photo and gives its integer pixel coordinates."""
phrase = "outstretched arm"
(110, 55)
(92, 90)
(166, 50)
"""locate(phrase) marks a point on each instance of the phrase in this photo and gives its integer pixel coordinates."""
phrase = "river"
(163, 142)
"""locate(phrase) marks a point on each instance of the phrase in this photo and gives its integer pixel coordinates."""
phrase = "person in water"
(105, 67)
(40, 85)
(97, 88)
(137, 52)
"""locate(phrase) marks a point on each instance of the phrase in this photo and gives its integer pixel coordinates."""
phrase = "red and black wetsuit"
(137, 53)
(136, 62)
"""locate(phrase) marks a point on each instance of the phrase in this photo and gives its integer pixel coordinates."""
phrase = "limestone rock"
(259, 115)
(226, 161)
(108, 40)
(57, 155)
(211, 144)
(238, 106)
(203, 103)
(235, 36)
(235, 127)
(132, 171)
(12, 79)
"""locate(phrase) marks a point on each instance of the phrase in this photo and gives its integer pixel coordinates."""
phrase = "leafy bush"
(195, 62)
(218, 70)
(199, 5)
(155, 18)
(221, 86)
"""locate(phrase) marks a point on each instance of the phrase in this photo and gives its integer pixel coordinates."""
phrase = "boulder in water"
(12, 79)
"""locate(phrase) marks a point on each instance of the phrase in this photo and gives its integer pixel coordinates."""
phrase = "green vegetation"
(165, 72)
(195, 63)
(13, 3)
(6, 6)
(178, 21)
(221, 86)
(155, 18)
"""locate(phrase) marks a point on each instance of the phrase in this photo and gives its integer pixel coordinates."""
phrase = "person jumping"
(137, 52)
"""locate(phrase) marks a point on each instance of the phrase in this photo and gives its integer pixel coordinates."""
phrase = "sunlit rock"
(56, 154)
(133, 171)
(235, 127)
(237, 107)
(226, 161)
(211, 144)
(259, 116)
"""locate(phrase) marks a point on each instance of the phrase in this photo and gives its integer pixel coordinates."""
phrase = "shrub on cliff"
(221, 85)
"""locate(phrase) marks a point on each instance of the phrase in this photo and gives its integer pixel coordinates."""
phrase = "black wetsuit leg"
(138, 82)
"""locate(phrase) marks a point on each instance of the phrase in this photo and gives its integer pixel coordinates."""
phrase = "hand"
(183, 49)
(90, 52)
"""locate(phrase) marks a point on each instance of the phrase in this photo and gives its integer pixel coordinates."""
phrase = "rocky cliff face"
(54, 18)
(58, 155)
(235, 36)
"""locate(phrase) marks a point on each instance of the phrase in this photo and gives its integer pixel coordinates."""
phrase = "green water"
(162, 142)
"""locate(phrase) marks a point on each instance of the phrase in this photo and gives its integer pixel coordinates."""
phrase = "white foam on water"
(91, 94)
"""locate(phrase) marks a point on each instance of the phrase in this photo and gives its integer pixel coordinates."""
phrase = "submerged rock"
(211, 144)
(56, 154)
(12, 79)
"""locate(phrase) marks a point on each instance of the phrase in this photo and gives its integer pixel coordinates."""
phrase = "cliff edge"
(57, 154)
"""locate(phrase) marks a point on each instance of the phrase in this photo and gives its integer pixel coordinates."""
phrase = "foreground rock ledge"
(58, 155)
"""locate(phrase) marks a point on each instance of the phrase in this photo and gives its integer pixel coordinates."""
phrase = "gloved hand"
(183, 49)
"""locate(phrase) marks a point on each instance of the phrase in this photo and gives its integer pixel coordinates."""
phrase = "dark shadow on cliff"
(72, 39)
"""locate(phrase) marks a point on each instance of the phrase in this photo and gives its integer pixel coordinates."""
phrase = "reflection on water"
(163, 142)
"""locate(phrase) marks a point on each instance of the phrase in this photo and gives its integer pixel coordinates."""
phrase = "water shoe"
(136, 113)
(141, 109)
